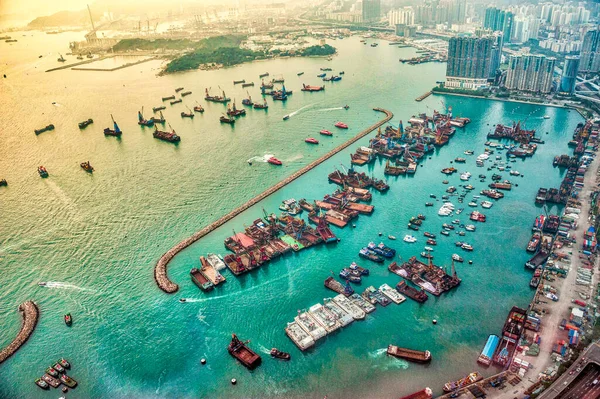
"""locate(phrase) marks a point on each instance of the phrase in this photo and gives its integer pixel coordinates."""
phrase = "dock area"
(30, 314)
(160, 269)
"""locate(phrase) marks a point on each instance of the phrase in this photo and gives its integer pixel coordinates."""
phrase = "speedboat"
(285, 118)
(470, 227)
(445, 232)
(391, 237)
(466, 247)
(341, 125)
(42, 283)
(346, 106)
(410, 239)
(326, 133)
(428, 249)
(311, 140)
(274, 161)
(182, 300)
(469, 152)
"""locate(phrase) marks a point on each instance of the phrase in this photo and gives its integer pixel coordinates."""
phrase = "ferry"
(301, 338)
(326, 133)
(411, 292)
(274, 161)
(241, 351)
(87, 166)
(391, 293)
(350, 307)
(42, 172)
(84, 124)
(425, 393)
(409, 354)
(311, 140)
(463, 382)
(341, 125)
(113, 132)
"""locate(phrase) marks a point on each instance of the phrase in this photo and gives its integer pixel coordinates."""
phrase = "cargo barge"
(511, 333)
(409, 354)
(240, 350)
(487, 353)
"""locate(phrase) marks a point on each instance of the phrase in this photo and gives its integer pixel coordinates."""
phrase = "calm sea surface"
(97, 237)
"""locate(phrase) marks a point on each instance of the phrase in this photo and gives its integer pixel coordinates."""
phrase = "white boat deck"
(350, 307)
(301, 338)
(340, 314)
(391, 293)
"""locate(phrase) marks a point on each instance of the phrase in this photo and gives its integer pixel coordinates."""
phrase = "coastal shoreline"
(160, 269)
(30, 314)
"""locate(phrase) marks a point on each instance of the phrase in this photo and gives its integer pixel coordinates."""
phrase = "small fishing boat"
(431, 241)
(51, 371)
(341, 125)
(274, 161)
(198, 108)
(276, 353)
(286, 117)
(84, 124)
(264, 105)
(189, 114)
(42, 172)
(346, 107)
(391, 237)
(326, 133)
(68, 320)
(68, 381)
(311, 140)
(87, 166)
(457, 258)
(3, 183)
(409, 238)
(58, 368)
(63, 362)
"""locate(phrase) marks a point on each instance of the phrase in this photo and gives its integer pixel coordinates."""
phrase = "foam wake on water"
(201, 317)
(386, 362)
(260, 158)
(330, 109)
(193, 300)
(264, 349)
(65, 286)
(296, 112)
(376, 354)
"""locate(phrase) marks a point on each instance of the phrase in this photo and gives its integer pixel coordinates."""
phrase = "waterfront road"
(577, 382)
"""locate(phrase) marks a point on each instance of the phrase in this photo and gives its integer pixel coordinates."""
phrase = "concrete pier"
(30, 315)
(160, 270)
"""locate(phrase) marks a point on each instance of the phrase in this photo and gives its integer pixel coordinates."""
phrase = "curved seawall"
(30, 315)
(160, 270)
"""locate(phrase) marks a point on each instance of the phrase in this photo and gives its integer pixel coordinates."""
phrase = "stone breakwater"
(30, 315)
(160, 270)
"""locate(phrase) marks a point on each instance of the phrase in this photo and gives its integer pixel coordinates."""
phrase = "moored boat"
(243, 353)
(299, 336)
(68, 381)
(201, 280)
(41, 383)
(326, 133)
(391, 293)
(311, 140)
(116, 131)
(53, 382)
(84, 124)
(341, 125)
(485, 357)
(44, 129)
(225, 119)
(411, 292)
(425, 393)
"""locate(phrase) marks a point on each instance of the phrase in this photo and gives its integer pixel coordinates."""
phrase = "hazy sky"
(35, 8)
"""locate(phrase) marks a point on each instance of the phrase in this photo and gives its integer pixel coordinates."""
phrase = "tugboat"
(264, 105)
(341, 125)
(43, 172)
(41, 383)
(198, 108)
(68, 320)
(326, 133)
(274, 161)
(113, 132)
(225, 119)
(3, 183)
(86, 166)
(144, 122)
(276, 353)
(84, 124)
(311, 140)
(246, 356)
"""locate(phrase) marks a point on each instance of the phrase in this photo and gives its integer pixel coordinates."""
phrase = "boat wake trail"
(264, 350)
(59, 192)
(260, 158)
(377, 353)
(387, 362)
(193, 300)
(202, 318)
(330, 109)
(66, 286)
(303, 108)
(162, 374)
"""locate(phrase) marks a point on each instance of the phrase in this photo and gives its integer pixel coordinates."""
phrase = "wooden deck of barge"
(160, 269)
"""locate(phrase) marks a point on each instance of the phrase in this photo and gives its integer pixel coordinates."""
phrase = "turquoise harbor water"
(97, 237)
